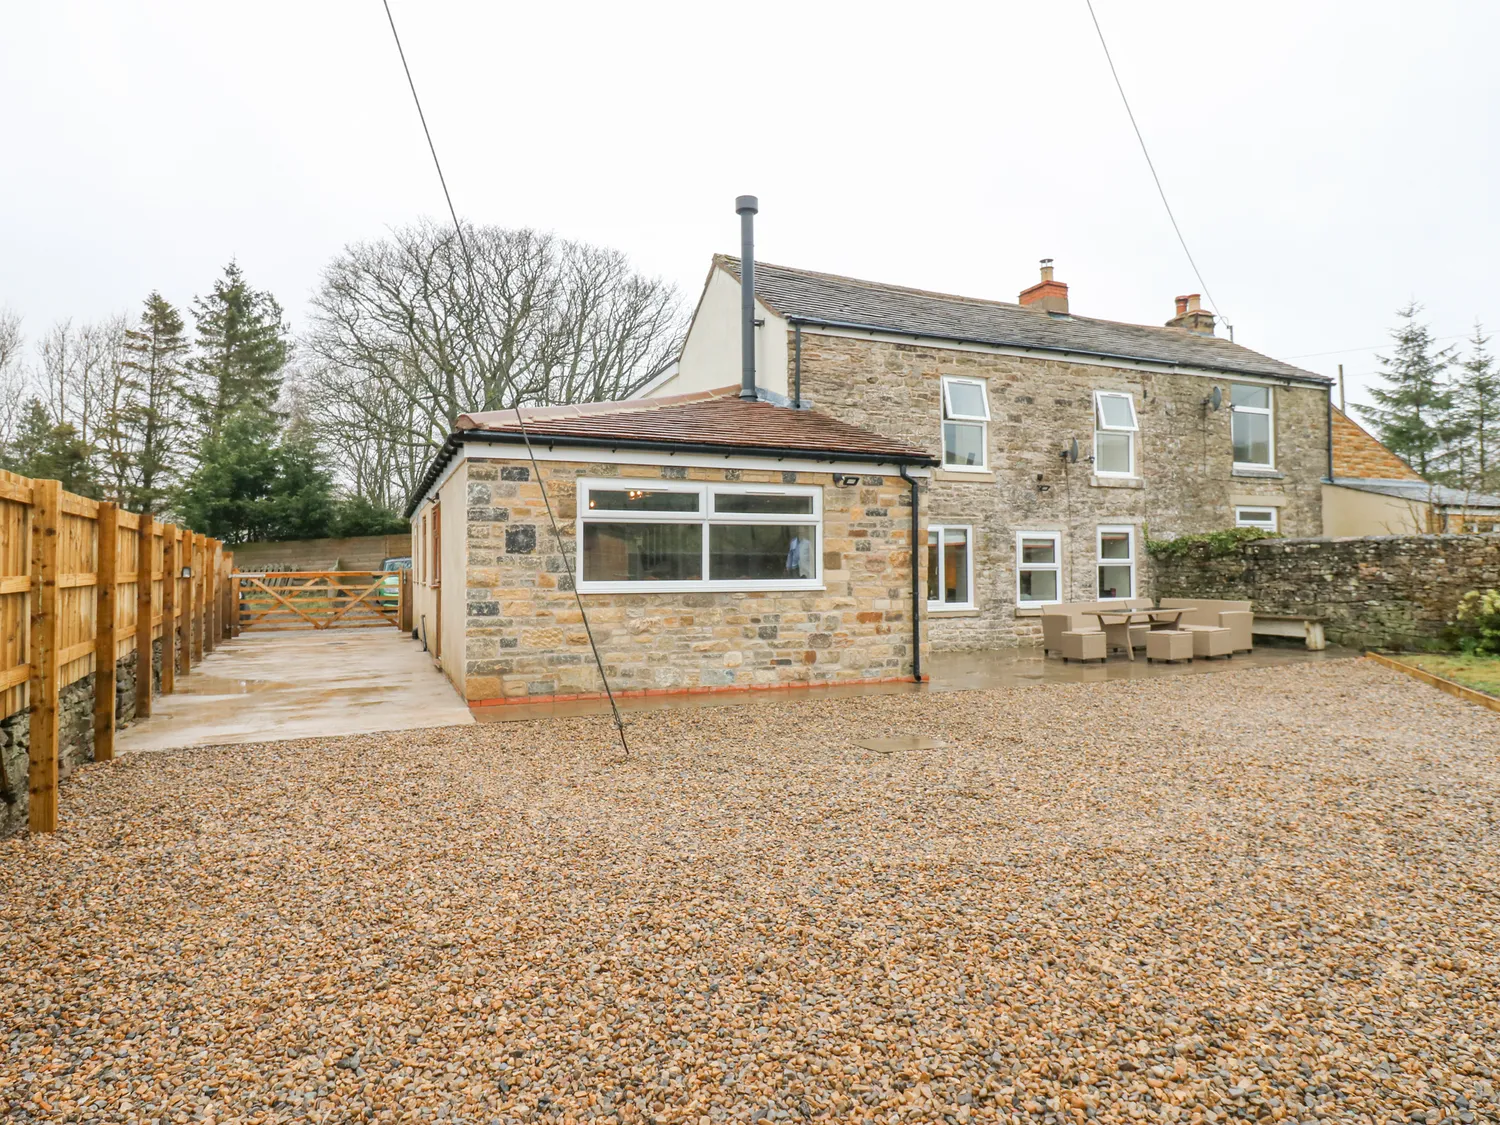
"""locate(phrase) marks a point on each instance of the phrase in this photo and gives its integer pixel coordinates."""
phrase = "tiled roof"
(846, 301)
(717, 418)
(1419, 491)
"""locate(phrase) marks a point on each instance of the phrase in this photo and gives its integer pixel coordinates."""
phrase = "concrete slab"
(275, 686)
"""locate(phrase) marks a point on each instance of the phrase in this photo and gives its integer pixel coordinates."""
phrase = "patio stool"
(1211, 640)
(1169, 645)
(1082, 645)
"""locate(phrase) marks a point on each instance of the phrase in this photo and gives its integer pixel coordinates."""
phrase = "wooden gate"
(320, 599)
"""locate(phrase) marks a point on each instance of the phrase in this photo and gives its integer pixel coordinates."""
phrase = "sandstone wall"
(1388, 591)
(1186, 481)
(525, 639)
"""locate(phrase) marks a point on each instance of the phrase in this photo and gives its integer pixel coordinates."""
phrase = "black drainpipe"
(916, 589)
(797, 367)
(746, 206)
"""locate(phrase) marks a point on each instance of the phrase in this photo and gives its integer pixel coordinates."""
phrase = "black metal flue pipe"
(746, 206)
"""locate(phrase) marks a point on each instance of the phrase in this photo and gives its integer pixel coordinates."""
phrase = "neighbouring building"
(1064, 441)
(719, 542)
(1374, 492)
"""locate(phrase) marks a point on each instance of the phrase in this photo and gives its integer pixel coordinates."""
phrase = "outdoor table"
(1156, 618)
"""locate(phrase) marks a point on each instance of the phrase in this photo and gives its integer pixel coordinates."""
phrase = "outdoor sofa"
(1219, 628)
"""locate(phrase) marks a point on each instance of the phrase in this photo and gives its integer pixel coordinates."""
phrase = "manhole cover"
(901, 742)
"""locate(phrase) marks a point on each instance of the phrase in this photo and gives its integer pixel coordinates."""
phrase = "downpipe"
(916, 604)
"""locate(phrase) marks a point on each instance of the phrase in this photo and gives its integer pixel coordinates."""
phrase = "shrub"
(1477, 623)
(1219, 543)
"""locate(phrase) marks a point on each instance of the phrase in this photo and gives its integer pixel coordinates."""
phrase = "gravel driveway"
(1267, 893)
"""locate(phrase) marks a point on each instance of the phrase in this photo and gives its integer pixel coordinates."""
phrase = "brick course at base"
(525, 638)
(1385, 591)
(1038, 405)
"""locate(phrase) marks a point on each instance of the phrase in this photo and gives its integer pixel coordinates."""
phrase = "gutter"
(916, 588)
(502, 437)
(1309, 379)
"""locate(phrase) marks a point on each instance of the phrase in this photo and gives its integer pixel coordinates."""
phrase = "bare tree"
(408, 341)
(13, 383)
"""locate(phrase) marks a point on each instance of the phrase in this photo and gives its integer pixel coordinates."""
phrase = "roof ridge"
(940, 295)
(478, 419)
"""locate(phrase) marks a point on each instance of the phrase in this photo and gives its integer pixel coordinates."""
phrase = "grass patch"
(1479, 672)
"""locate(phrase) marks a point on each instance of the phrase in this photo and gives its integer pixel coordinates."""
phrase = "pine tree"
(48, 450)
(1415, 412)
(1477, 415)
(242, 347)
(154, 417)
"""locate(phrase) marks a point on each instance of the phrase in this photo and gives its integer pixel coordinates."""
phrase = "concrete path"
(274, 686)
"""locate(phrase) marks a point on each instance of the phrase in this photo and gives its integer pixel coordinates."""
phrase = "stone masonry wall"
(1185, 483)
(1387, 591)
(525, 638)
(75, 738)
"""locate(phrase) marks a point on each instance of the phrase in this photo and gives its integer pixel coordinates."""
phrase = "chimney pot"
(1192, 316)
(1047, 294)
(1194, 299)
(1181, 305)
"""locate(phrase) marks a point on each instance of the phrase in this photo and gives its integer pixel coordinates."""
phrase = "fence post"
(106, 603)
(46, 496)
(234, 600)
(185, 664)
(210, 593)
(145, 614)
(171, 566)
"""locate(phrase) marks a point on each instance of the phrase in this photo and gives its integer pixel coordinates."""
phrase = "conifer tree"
(156, 353)
(50, 450)
(242, 347)
(1415, 410)
(1477, 415)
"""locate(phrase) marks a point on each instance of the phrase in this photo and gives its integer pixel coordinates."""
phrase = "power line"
(1371, 348)
(1149, 164)
(536, 468)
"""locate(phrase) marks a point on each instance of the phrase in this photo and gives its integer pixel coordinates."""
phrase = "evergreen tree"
(302, 504)
(1415, 412)
(153, 419)
(359, 515)
(242, 347)
(1477, 415)
(49, 450)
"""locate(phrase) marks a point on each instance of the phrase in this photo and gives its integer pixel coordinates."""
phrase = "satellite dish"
(1073, 452)
(1216, 398)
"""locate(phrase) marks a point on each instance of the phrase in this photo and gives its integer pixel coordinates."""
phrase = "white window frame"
(1100, 427)
(704, 517)
(968, 530)
(946, 415)
(1056, 566)
(1269, 411)
(1101, 561)
(1241, 521)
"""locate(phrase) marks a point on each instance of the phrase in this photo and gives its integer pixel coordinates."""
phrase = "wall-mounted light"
(187, 572)
(846, 480)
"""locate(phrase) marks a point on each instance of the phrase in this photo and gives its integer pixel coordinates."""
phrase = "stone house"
(719, 543)
(1374, 492)
(1064, 440)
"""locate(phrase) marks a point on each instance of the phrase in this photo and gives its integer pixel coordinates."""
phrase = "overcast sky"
(1327, 161)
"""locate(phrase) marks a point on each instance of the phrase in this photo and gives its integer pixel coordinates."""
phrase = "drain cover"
(901, 742)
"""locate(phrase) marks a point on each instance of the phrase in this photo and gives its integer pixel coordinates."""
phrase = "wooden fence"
(319, 599)
(84, 583)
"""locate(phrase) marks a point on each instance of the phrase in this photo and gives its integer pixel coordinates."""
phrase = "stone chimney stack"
(1197, 320)
(1047, 294)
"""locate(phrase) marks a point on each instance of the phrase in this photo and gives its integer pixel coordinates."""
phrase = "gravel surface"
(1263, 894)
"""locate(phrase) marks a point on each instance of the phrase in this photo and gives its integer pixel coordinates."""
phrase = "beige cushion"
(1083, 645)
(1211, 640)
(1169, 644)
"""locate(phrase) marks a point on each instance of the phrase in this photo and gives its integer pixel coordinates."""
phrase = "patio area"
(948, 671)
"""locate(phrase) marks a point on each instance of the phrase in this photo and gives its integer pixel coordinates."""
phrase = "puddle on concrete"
(900, 743)
(199, 684)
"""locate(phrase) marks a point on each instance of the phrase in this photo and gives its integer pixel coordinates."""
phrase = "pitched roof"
(717, 418)
(828, 299)
(1419, 491)
(1357, 453)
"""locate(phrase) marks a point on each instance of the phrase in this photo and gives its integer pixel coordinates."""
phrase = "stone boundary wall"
(75, 735)
(1383, 591)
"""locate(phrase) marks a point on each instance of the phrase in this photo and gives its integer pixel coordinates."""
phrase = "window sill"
(699, 587)
(952, 611)
(1096, 481)
(1257, 472)
(968, 476)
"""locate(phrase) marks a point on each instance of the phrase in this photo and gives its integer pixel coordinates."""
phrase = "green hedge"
(1217, 543)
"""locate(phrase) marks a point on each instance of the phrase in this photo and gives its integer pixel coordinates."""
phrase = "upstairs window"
(950, 568)
(966, 418)
(1114, 434)
(1117, 562)
(1250, 426)
(662, 535)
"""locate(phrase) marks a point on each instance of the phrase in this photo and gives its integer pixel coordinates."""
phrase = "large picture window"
(1038, 567)
(667, 535)
(1117, 562)
(1251, 426)
(966, 418)
(1114, 434)
(950, 568)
